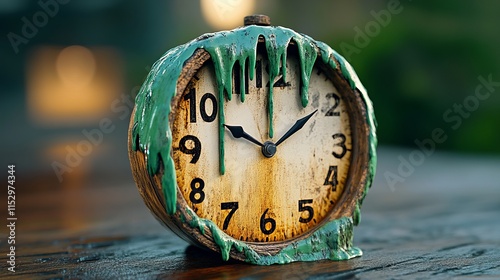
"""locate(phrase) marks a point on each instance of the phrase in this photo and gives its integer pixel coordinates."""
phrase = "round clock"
(258, 143)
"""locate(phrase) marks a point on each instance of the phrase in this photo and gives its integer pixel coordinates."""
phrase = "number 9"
(195, 150)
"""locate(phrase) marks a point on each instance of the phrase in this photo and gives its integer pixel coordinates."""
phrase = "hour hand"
(238, 132)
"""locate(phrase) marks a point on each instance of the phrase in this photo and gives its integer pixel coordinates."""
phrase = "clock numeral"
(237, 79)
(331, 177)
(307, 208)
(226, 206)
(203, 108)
(279, 83)
(197, 195)
(340, 144)
(258, 73)
(264, 221)
(336, 103)
(191, 97)
(195, 150)
(258, 77)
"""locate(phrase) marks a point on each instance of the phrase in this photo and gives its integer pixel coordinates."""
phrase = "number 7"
(226, 206)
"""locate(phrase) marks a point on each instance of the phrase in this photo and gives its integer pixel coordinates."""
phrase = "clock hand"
(296, 127)
(238, 132)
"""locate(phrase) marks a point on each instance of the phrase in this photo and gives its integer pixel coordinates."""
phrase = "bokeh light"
(226, 14)
(76, 66)
(72, 85)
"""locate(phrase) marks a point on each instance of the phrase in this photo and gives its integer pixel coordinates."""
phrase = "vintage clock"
(258, 143)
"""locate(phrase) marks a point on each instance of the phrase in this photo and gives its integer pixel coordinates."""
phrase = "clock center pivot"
(269, 149)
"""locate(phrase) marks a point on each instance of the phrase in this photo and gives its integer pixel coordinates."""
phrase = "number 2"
(336, 102)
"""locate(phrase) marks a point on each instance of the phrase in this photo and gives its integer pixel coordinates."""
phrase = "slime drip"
(152, 135)
(332, 241)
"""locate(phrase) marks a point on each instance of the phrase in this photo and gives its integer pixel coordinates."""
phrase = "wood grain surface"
(442, 222)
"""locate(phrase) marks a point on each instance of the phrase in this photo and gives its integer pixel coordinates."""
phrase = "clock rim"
(345, 207)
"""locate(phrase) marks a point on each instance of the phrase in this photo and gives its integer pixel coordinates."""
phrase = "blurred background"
(70, 70)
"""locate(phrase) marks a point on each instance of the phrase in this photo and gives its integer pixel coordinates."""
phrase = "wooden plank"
(416, 231)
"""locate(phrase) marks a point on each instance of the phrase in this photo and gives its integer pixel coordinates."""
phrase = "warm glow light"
(76, 66)
(226, 14)
(72, 85)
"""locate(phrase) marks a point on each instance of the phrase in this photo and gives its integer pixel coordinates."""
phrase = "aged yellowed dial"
(272, 188)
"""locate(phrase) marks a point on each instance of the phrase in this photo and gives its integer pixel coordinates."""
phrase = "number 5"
(306, 208)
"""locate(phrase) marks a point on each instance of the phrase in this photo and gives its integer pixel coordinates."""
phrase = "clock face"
(262, 196)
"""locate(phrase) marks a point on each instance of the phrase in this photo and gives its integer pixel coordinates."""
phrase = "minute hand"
(296, 127)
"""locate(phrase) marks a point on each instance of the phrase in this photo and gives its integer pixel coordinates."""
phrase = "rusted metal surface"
(257, 20)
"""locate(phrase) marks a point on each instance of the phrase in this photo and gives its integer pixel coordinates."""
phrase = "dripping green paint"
(332, 241)
(152, 134)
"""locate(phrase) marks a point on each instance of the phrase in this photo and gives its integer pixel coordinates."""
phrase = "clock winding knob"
(261, 20)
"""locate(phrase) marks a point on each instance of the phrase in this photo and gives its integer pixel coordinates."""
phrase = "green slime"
(152, 134)
(332, 241)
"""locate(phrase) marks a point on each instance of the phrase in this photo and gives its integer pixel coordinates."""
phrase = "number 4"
(331, 177)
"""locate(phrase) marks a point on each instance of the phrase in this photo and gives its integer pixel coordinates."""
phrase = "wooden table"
(443, 221)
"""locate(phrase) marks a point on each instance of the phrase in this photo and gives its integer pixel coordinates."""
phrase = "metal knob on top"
(262, 20)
